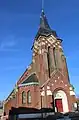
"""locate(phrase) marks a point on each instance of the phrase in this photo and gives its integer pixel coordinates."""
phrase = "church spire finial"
(44, 28)
(42, 5)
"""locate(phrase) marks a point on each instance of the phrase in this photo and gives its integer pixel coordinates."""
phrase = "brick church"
(46, 80)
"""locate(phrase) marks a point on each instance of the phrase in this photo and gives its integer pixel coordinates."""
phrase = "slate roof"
(44, 28)
(32, 78)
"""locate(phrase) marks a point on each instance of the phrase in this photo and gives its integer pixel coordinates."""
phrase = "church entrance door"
(61, 103)
(58, 104)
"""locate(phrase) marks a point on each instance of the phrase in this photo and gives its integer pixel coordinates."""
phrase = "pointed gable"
(31, 79)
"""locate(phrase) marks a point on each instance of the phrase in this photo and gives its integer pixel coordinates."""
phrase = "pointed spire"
(43, 21)
(44, 28)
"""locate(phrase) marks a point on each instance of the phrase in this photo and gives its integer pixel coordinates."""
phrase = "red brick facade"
(49, 66)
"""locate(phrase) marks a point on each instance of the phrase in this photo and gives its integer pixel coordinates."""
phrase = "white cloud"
(8, 44)
(12, 68)
(8, 50)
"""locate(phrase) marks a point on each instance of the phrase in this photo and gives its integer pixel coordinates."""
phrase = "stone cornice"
(29, 84)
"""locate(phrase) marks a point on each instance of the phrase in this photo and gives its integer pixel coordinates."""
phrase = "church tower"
(51, 68)
(45, 83)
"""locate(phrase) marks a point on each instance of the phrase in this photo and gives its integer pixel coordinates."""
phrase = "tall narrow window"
(23, 97)
(29, 99)
(54, 55)
(48, 57)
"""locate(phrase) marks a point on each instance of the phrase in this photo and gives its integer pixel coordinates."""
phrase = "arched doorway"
(61, 102)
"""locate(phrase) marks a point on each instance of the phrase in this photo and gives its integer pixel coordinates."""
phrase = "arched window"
(54, 55)
(23, 97)
(29, 99)
(63, 58)
(48, 57)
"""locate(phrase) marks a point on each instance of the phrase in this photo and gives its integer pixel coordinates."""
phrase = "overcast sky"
(19, 23)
